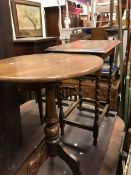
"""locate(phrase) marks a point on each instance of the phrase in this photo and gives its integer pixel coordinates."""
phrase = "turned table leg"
(55, 147)
(52, 121)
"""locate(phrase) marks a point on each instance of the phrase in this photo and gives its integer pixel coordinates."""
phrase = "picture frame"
(27, 18)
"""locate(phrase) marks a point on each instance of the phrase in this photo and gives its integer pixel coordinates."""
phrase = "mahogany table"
(102, 48)
(50, 69)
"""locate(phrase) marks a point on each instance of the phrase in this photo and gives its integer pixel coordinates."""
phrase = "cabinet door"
(51, 17)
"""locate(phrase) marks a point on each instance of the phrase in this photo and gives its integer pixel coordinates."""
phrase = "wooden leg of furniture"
(80, 94)
(60, 105)
(110, 81)
(95, 127)
(96, 121)
(69, 158)
(40, 105)
(67, 93)
(55, 148)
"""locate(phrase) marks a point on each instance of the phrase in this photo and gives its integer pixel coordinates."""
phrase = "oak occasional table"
(102, 48)
(49, 69)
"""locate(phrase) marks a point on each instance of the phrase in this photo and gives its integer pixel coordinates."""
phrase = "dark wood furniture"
(25, 46)
(29, 69)
(102, 48)
(99, 33)
(88, 90)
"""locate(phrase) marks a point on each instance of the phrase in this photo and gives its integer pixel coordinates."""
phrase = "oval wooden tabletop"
(86, 46)
(39, 68)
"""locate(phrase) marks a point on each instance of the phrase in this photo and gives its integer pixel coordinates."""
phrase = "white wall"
(48, 3)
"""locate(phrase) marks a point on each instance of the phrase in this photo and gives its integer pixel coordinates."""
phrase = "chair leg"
(40, 105)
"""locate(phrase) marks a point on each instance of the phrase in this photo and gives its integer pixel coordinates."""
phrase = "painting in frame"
(27, 18)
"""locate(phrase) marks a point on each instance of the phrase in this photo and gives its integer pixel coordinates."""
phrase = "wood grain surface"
(47, 67)
(86, 46)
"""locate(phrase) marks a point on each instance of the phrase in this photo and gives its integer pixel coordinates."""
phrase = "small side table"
(43, 69)
(102, 48)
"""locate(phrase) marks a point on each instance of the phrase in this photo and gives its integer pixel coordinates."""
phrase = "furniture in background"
(104, 49)
(25, 46)
(99, 33)
(88, 90)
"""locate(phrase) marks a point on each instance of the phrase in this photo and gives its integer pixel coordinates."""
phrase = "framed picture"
(27, 18)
